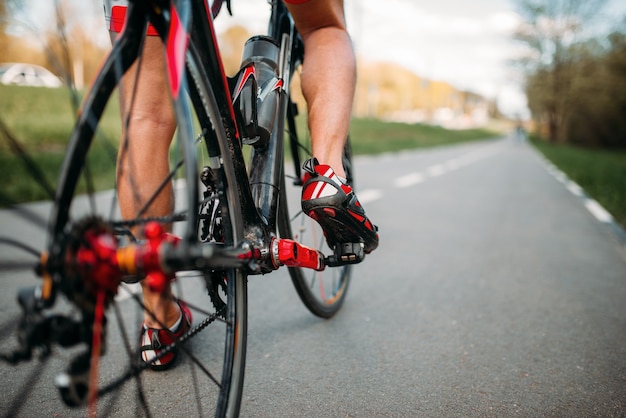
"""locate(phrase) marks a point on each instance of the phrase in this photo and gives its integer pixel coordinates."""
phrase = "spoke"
(17, 265)
(203, 368)
(26, 389)
(196, 389)
(163, 184)
(194, 375)
(135, 370)
(165, 181)
(8, 327)
(22, 211)
(133, 360)
(127, 118)
(90, 187)
(31, 167)
(20, 245)
(293, 218)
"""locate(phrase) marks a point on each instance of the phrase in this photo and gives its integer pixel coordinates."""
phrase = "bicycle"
(232, 217)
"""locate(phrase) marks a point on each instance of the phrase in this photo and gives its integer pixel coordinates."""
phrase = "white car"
(28, 75)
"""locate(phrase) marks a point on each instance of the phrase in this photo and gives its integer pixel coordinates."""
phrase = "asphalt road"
(495, 292)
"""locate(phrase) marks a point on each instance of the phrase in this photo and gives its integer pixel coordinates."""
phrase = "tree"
(550, 31)
(6, 8)
(598, 95)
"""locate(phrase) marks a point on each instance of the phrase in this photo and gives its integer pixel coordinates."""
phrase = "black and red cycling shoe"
(152, 341)
(336, 208)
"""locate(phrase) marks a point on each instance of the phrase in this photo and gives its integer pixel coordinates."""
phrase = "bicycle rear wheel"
(209, 378)
(322, 292)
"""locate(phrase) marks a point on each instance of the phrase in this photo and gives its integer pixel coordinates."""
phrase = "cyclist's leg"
(328, 83)
(328, 76)
(143, 158)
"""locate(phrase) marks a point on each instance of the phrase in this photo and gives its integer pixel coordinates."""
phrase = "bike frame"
(259, 197)
(177, 22)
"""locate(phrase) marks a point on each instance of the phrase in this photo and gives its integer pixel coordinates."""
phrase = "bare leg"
(328, 76)
(143, 157)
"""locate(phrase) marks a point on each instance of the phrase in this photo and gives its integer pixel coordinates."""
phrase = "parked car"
(28, 75)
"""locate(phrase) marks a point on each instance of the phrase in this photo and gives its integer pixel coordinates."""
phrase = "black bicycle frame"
(259, 197)
(266, 169)
(258, 189)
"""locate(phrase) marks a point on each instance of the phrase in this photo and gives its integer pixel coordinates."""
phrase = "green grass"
(601, 173)
(42, 120)
(37, 116)
(371, 136)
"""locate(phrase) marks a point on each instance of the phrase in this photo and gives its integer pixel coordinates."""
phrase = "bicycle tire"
(323, 293)
(223, 368)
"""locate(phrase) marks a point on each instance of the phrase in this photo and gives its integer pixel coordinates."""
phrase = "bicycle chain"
(160, 219)
(135, 370)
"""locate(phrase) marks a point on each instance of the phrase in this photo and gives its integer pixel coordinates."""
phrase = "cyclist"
(328, 82)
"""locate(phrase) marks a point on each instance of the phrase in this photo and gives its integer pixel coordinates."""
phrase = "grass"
(42, 120)
(370, 136)
(601, 173)
(37, 116)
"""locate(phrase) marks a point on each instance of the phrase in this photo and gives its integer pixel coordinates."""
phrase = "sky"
(465, 43)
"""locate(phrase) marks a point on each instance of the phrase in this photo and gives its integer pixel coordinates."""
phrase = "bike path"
(494, 292)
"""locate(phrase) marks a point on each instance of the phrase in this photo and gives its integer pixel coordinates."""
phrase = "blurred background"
(555, 67)
(494, 292)
(451, 63)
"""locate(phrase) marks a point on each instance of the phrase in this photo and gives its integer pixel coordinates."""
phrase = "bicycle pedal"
(346, 253)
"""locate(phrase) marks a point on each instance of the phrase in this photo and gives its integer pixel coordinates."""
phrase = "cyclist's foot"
(152, 340)
(336, 208)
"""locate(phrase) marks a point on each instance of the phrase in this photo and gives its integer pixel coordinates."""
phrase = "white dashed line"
(598, 211)
(433, 171)
(453, 164)
(408, 180)
(436, 170)
(369, 195)
(575, 189)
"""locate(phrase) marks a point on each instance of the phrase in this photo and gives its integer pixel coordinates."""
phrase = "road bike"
(237, 215)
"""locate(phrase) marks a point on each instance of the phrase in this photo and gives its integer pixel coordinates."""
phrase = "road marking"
(453, 164)
(575, 189)
(436, 170)
(595, 208)
(369, 195)
(408, 180)
(598, 211)
(445, 167)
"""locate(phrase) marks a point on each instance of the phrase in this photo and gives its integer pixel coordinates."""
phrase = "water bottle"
(259, 89)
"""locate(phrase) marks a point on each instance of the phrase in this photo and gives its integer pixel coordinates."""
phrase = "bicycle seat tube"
(267, 162)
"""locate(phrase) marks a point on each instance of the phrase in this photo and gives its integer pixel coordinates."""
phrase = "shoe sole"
(341, 227)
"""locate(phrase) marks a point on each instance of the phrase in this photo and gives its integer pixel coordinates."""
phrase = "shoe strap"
(324, 179)
(309, 166)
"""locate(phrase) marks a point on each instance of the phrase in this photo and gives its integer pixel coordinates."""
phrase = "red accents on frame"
(247, 73)
(279, 85)
(175, 50)
(118, 20)
(118, 17)
(231, 110)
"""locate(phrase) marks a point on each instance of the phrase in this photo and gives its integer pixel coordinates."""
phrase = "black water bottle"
(260, 58)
